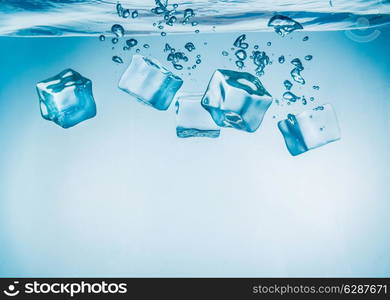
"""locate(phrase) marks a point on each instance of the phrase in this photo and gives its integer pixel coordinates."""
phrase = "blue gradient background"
(120, 195)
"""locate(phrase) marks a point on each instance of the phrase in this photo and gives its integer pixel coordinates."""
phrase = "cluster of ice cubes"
(232, 99)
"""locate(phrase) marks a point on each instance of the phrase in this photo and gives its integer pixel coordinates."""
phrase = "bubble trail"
(119, 9)
(261, 60)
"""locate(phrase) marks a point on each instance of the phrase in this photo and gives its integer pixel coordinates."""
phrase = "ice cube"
(193, 120)
(310, 129)
(236, 99)
(149, 82)
(66, 98)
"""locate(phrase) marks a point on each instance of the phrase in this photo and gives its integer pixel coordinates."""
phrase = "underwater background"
(121, 195)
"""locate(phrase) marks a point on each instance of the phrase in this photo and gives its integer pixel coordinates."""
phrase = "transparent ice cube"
(236, 99)
(149, 82)
(66, 98)
(310, 129)
(193, 120)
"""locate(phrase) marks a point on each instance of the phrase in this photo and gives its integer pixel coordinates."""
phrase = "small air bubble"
(126, 13)
(240, 64)
(309, 57)
(118, 30)
(117, 59)
(134, 14)
(131, 42)
(189, 46)
(241, 54)
(178, 66)
(188, 13)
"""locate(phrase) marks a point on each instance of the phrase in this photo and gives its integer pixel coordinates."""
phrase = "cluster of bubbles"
(260, 59)
(297, 77)
(178, 58)
(283, 26)
(170, 15)
(125, 12)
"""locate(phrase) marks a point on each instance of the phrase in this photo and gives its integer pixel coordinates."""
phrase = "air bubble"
(131, 42)
(240, 64)
(241, 54)
(309, 57)
(126, 13)
(117, 59)
(189, 46)
(118, 30)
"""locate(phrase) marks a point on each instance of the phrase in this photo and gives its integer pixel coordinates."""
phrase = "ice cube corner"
(66, 98)
(236, 99)
(150, 82)
(310, 129)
